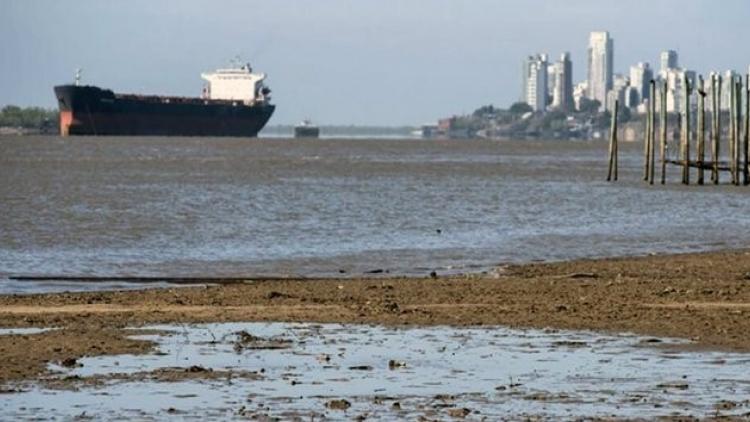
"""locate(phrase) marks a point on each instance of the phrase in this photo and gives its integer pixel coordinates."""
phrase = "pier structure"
(695, 131)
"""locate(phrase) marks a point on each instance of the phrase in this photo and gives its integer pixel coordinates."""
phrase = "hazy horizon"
(340, 62)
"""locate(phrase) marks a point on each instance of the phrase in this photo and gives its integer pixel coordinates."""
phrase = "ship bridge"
(236, 84)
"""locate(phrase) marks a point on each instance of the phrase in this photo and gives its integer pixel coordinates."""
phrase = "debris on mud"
(70, 363)
(458, 412)
(247, 341)
(338, 404)
(673, 385)
(278, 295)
(394, 364)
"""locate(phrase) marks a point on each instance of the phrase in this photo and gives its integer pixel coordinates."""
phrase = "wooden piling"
(612, 171)
(732, 128)
(663, 127)
(738, 131)
(617, 142)
(647, 143)
(652, 130)
(685, 139)
(746, 137)
(716, 115)
(701, 128)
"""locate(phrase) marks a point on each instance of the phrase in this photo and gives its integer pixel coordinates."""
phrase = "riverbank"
(702, 297)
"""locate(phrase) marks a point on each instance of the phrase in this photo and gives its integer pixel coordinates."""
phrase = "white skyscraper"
(562, 98)
(601, 62)
(619, 87)
(537, 81)
(551, 80)
(525, 77)
(726, 88)
(668, 61)
(640, 79)
(580, 91)
(675, 78)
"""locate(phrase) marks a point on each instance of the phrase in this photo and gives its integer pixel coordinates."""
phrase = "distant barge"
(306, 130)
(234, 103)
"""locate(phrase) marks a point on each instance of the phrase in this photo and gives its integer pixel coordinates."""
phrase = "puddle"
(304, 370)
(29, 287)
(23, 331)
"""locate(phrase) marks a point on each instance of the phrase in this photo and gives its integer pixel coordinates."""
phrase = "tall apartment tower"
(562, 98)
(640, 78)
(668, 61)
(536, 82)
(601, 63)
(525, 78)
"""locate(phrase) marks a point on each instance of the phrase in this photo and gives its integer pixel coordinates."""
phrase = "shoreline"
(704, 297)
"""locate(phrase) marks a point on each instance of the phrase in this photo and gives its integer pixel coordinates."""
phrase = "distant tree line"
(29, 117)
(519, 121)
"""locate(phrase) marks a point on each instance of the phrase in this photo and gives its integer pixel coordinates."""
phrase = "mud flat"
(690, 308)
(303, 371)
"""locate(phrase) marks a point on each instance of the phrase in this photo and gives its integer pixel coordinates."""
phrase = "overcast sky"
(375, 62)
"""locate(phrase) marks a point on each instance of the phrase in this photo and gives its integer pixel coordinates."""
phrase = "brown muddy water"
(265, 371)
(278, 207)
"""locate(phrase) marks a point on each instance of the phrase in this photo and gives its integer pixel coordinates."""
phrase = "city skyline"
(341, 62)
(605, 84)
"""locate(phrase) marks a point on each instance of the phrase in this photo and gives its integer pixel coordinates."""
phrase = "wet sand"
(701, 297)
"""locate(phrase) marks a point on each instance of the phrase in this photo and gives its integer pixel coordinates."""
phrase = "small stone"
(196, 369)
(338, 404)
(394, 364)
(460, 412)
(70, 363)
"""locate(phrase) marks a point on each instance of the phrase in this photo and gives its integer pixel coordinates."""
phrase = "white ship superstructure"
(236, 84)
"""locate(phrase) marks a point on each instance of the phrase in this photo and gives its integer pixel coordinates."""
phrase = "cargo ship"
(306, 130)
(234, 102)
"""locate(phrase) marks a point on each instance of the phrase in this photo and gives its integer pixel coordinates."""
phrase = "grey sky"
(349, 61)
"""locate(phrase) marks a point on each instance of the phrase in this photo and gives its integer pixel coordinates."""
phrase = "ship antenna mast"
(236, 61)
(78, 76)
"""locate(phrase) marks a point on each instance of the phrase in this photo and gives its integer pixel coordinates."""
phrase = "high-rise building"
(580, 91)
(551, 81)
(675, 86)
(668, 61)
(724, 87)
(536, 82)
(618, 92)
(601, 62)
(525, 77)
(562, 97)
(632, 98)
(729, 77)
(640, 79)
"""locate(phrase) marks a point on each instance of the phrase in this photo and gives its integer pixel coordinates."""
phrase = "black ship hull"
(89, 110)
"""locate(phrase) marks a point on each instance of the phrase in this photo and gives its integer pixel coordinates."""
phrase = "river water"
(142, 206)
